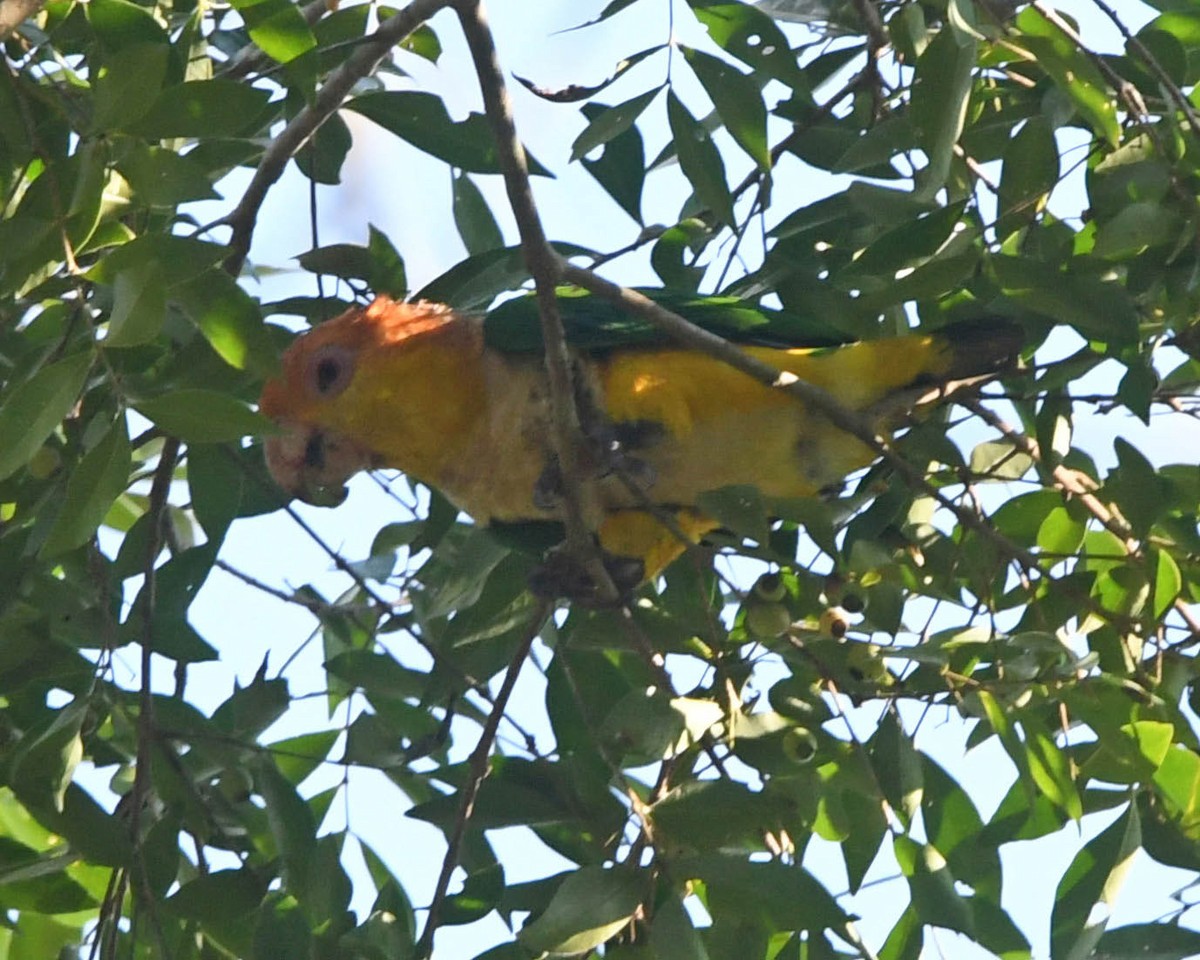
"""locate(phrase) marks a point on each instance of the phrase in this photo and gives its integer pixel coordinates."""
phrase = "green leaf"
(139, 306)
(203, 416)
(1136, 487)
(120, 23)
(1098, 308)
(1094, 877)
(473, 217)
(230, 320)
(1029, 173)
(31, 411)
(424, 43)
(1168, 582)
(204, 109)
(180, 258)
(1060, 533)
(590, 906)
(700, 160)
(742, 509)
(751, 36)
(293, 827)
(621, 168)
(44, 761)
(739, 103)
(219, 895)
(1149, 941)
(1050, 768)
(999, 460)
(163, 178)
(216, 485)
(251, 709)
(934, 895)
(1136, 228)
(127, 85)
(607, 123)
(1178, 782)
(944, 76)
(96, 482)
(1071, 69)
(785, 896)
(422, 120)
(322, 157)
(673, 936)
(278, 28)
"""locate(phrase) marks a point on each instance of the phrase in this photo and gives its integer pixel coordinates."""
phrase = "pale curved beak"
(312, 464)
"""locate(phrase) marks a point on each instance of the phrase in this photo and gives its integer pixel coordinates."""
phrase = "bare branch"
(328, 99)
(479, 765)
(147, 734)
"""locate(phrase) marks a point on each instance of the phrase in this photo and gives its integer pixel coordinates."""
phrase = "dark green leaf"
(203, 108)
(590, 906)
(31, 411)
(1029, 174)
(700, 160)
(203, 416)
(277, 27)
(621, 167)
(1094, 877)
(422, 120)
(96, 482)
(128, 84)
(473, 217)
(608, 123)
(139, 306)
(739, 103)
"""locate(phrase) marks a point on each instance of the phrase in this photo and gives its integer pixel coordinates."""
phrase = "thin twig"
(275, 158)
(544, 265)
(156, 511)
(1136, 45)
(479, 764)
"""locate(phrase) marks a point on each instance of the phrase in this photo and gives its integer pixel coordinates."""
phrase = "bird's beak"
(312, 464)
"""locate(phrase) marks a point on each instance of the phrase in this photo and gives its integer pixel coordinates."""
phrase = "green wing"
(596, 325)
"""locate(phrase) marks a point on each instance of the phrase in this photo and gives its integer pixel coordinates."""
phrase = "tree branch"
(329, 98)
(545, 266)
(479, 764)
(13, 13)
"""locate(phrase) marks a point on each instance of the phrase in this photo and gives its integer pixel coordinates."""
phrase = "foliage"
(1042, 594)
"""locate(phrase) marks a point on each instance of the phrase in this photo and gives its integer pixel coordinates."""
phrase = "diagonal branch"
(275, 159)
(478, 763)
(545, 266)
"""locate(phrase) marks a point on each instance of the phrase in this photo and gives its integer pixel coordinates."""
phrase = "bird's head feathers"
(327, 398)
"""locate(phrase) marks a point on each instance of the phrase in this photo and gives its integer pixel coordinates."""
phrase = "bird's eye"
(330, 370)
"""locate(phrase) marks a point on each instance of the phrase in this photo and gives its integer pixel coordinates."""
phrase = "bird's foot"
(604, 452)
(565, 575)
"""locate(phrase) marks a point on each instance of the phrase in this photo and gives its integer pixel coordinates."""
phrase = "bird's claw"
(565, 575)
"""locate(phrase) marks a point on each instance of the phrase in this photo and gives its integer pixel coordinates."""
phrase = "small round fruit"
(770, 587)
(768, 620)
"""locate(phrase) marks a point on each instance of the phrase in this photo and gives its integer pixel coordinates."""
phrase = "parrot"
(461, 404)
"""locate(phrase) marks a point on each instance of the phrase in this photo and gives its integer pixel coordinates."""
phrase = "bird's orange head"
(349, 397)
